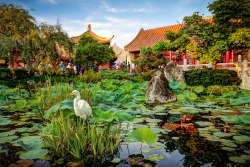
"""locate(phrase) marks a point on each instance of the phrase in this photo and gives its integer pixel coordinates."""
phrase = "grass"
(82, 139)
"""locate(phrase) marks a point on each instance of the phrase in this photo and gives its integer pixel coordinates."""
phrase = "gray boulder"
(158, 90)
(174, 73)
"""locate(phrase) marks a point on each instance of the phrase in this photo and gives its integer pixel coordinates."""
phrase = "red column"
(227, 60)
(183, 58)
(193, 61)
(232, 55)
(170, 55)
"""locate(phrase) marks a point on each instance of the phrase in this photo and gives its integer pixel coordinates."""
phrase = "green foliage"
(115, 75)
(151, 58)
(241, 38)
(90, 53)
(143, 135)
(230, 14)
(209, 77)
(21, 36)
(17, 73)
(85, 139)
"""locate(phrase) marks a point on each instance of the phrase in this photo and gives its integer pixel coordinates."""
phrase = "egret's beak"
(70, 94)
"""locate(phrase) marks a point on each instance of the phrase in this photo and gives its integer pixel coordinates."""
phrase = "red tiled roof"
(150, 37)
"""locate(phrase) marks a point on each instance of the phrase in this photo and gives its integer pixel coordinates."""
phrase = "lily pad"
(116, 160)
(4, 121)
(174, 119)
(156, 147)
(174, 85)
(129, 105)
(191, 96)
(138, 126)
(154, 120)
(7, 139)
(181, 97)
(157, 130)
(155, 157)
(222, 134)
(20, 104)
(34, 154)
(143, 135)
(145, 150)
(242, 138)
(237, 159)
(203, 123)
(228, 149)
(199, 89)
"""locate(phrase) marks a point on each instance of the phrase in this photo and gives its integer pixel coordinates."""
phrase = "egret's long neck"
(78, 97)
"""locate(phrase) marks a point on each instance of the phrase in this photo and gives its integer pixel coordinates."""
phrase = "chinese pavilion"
(102, 40)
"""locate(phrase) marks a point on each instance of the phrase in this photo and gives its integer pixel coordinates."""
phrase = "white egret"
(81, 107)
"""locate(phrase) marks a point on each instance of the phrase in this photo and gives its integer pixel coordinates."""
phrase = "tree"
(89, 52)
(200, 37)
(20, 36)
(230, 14)
(152, 58)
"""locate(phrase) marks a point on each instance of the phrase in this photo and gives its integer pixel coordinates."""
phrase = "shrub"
(21, 73)
(148, 75)
(108, 74)
(91, 76)
(219, 90)
(209, 77)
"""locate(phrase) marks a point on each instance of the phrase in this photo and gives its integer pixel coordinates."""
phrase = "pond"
(197, 130)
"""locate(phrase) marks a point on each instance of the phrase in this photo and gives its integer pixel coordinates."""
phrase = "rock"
(158, 90)
(174, 73)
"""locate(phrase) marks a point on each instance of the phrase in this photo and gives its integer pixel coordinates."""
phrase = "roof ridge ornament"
(89, 27)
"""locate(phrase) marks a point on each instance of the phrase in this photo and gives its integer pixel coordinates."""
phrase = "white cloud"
(110, 9)
(51, 1)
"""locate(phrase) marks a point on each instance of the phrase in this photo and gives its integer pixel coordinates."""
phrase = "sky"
(121, 18)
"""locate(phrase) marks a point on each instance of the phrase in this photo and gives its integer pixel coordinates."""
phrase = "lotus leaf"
(236, 102)
(237, 159)
(175, 85)
(4, 121)
(28, 139)
(67, 104)
(181, 97)
(129, 105)
(159, 108)
(213, 138)
(175, 138)
(174, 112)
(108, 116)
(124, 117)
(156, 147)
(116, 160)
(34, 154)
(186, 103)
(247, 151)
(229, 144)
(152, 124)
(222, 134)
(3, 151)
(231, 119)
(228, 149)
(245, 118)
(191, 96)
(53, 109)
(143, 135)
(155, 157)
(138, 126)
(9, 133)
(161, 113)
(145, 150)
(199, 89)
(154, 120)
(242, 138)
(174, 119)
(157, 130)
(32, 146)
(147, 112)
(202, 123)
(30, 103)
(104, 106)
(7, 139)
(247, 94)
(20, 104)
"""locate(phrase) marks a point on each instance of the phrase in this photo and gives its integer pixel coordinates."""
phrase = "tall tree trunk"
(214, 64)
